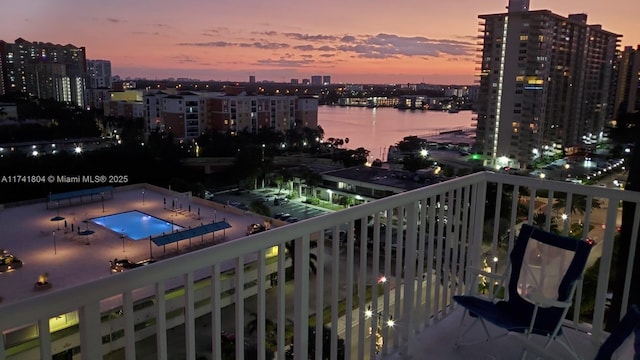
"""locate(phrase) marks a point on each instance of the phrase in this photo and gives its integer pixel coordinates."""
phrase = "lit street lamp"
(143, 197)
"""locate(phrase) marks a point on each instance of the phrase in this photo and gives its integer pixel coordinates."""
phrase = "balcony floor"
(438, 340)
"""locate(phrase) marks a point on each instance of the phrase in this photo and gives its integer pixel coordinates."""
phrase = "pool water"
(136, 225)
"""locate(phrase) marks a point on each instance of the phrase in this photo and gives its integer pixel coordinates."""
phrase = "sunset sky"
(407, 41)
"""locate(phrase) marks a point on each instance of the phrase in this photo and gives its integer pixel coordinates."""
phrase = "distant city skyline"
(354, 42)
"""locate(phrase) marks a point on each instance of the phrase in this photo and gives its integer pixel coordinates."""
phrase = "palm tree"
(312, 179)
(290, 252)
(540, 220)
(578, 204)
(271, 331)
(326, 345)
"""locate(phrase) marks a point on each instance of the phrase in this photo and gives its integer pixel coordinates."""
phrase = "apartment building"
(99, 73)
(189, 114)
(44, 70)
(544, 83)
(627, 94)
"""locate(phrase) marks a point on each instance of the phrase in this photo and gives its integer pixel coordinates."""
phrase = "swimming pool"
(135, 224)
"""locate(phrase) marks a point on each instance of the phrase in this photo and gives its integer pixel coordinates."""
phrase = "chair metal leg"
(462, 334)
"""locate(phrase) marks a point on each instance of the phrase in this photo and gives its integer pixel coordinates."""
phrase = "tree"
(260, 208)
(412, 145)
(312, 179)
(355, 157)
(271, 331)
(413, 163)
(326, 345)
(290, 252)
(540, 220)
(578, 204)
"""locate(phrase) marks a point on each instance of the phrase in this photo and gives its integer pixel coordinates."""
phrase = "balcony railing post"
(409, 277)
(476, 224)
(239, 282)
(301, 303)
(45, 338)
(605, 267)
(90, 336)
(261, 306)
(216, 324)
(189, 316)
(129, 330)
(161, 322)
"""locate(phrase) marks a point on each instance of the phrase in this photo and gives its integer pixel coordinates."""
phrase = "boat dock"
(456, 135)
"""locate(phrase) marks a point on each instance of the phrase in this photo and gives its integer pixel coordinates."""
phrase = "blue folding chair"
(607, 350)
(629, 323)
(540, 281)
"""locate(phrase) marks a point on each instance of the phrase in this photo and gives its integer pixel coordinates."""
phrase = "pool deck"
(27, 232)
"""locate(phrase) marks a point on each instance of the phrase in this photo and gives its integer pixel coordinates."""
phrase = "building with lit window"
(627, 94)
(230, 112)
(255, 113)
(44, 70)
(316, 80)
(99, 73)
(544, 83)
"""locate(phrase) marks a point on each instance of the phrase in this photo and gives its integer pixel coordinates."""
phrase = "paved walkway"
(27, 232)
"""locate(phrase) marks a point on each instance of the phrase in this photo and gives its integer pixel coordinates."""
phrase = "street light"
(55, 251)
(102, 199)
(143, 197)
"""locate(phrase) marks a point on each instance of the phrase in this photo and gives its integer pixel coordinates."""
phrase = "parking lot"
(276, 201)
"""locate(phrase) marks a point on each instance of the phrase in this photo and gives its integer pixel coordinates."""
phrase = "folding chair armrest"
(541, 301)
(494, 278)
(477, 272)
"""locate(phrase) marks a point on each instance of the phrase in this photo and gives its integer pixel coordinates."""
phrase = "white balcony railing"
(469, 221)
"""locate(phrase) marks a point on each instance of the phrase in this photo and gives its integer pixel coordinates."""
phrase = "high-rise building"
(544, 83)
(326, 80)
(628, 92)
(99, 73)
(44, 70)
(316, 80)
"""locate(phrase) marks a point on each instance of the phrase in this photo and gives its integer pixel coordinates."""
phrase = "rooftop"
(184, 300)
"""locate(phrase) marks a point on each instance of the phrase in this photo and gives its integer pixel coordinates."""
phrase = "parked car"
(292, 219)
(120, 265)
(280, 201)
(239, 205)
(255, 228)
(282, 216)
